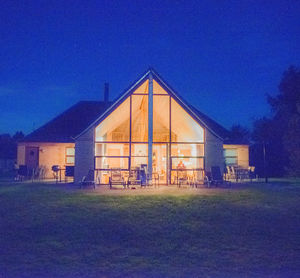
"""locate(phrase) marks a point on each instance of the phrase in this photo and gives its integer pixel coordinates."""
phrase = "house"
(149, 124)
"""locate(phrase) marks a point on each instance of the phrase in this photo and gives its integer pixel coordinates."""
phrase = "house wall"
(242, 154)
(21, 154)
(49, 154)
(213, 151)
(84, 154)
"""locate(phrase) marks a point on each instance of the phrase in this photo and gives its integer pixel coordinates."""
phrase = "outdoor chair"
(242, 174)
(88, 180)
(251, 173)
(155, 179)
(182, 177)
(116, 178)
(144, 175)
(134, 177)
(38, 173)
(197, 178)
(214, 177)
(22, 172)
(231, 174)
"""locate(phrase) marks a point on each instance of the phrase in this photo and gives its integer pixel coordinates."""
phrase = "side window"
(70, 155)
(230, 156)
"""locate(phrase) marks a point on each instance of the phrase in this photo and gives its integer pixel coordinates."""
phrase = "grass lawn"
(50, 232)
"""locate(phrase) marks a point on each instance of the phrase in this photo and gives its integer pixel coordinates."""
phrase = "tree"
(281, 132)
(286, 109)
(239, 135)
(8, 145)
(19, 135)
(267, 152)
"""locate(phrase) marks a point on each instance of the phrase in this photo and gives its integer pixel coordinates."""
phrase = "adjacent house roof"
(87, 114)
(70, 123)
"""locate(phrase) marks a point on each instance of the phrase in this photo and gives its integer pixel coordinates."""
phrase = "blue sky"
(222, 56)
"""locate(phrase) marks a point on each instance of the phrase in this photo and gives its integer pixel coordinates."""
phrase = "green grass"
(51, 232)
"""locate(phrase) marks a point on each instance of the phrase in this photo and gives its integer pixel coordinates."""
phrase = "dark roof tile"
(70, 123)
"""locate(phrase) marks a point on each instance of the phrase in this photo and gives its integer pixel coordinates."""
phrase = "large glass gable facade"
(122, 141)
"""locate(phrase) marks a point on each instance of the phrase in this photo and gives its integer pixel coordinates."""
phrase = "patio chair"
(144, 175)
(134, 177)
(36, 173)
(182, 177)
(231, 175)
(88, 180)
(197, 178)
(116, 178)
(251, 172)
(22, 172)
(214, 177)
(155, 179)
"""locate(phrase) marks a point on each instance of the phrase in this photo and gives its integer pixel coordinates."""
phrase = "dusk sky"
(221, 56)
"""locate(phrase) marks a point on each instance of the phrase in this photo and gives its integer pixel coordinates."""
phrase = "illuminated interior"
(121, 139)
(70, 155)
(231, 157)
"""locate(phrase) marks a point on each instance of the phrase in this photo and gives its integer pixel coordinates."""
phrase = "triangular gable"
(160, 87)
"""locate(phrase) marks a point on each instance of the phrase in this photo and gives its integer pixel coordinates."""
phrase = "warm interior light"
(116, 127)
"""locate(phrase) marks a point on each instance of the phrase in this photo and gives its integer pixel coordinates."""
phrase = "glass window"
(187, 150)
(70, 151)
(231, 160)
(184, 127)
(138, 161)
(187, 163)
(230, 156)
(139, 149)
(230, 152)
(70, 159)
(111, 162)
(161, 118)
(157, 89)
(139, 154)
(143, 89)
(112, 149)
(70, 155)
(139, 127)
(115, 127)
(159, 159)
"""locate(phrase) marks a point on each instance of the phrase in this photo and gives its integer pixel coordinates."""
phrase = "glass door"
(159, 155)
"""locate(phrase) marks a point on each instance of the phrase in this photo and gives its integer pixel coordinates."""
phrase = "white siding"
(213, 151)
(84, 154)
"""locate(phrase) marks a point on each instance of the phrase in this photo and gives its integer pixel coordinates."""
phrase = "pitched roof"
(87, 114)
(201, 118)
(70, 123)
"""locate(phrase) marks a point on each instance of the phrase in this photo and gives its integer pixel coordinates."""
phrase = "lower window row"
(177, 163)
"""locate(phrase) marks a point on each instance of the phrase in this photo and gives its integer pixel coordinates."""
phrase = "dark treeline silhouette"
(239, 135)
(8, 145)
(280, 133)
(275, 140)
